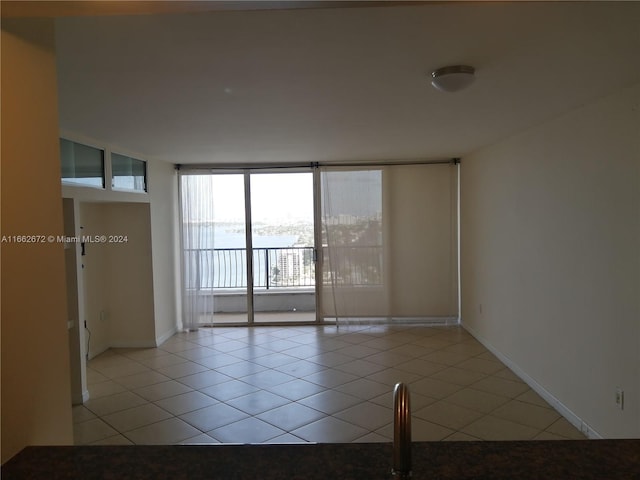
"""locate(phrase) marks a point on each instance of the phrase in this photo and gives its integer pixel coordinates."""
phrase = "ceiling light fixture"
(453, 78)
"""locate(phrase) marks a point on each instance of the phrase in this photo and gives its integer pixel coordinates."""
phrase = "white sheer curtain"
(389, 237)
(197, 236)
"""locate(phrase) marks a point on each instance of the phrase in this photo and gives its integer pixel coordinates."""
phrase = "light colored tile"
(93, 377)
(113, 403)
(197, 353)
(331, 359)
(303, 352)
(250, 352)
(330, 401)
(563, 428)
(275, 360)
(363, 388)
(446, 358)
(202, 439)
(124, 370)
(459, 376)
(159, 391)
(218, 360)
(291, 416)
(489, 356)
(527, 414)
(286, 439)
(548, 436)
(460, 437)
(115, 440)
(136, 417)
(480, 365)
(421, 431)
(361, 368)
(213, 416)
(421, 367)
(388, 359)
(296, 389)
(81, 414)
(182, 369)
(447, 414)
(104, 389)
(301, 368)
(257, 402)
(366, 415)
(241, 369)
(204, 379)
(412, 350)
(142, 353)
(532, 397)
(166, 432)
(177, 346)
(186, 402)
(162, 361)
(229, 346)
(227, 390)
(494, 428)
(390, 376)
(507, 375)
(501, 386)
(91, 431)
(469, 349)
(247, 430)
(372, 437)
(477, 400)
(267, 378)
(330, 378)
(431, 387)
(329, 430)
(142, 379)
(358, 351)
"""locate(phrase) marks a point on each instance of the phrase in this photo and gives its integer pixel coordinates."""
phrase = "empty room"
(260, 224)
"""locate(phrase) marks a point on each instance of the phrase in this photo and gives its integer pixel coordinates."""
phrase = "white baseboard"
(85, 396)
(163, 338)
(561, 408)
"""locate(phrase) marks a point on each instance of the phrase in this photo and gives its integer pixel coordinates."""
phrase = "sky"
(275, 197)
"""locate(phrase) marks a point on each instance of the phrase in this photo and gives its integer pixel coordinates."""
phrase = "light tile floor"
(309, 384)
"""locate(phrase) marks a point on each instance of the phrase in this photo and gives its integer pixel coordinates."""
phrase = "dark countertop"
(555, 460)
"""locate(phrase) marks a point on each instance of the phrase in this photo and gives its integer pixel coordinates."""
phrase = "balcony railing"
(282, 267)
(275, 267)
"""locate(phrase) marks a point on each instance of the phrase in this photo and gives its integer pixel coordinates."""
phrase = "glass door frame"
(317, 235)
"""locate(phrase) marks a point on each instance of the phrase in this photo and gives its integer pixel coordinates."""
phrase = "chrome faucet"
(401, 433)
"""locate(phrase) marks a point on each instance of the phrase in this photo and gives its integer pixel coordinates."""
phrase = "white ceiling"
(336, 84)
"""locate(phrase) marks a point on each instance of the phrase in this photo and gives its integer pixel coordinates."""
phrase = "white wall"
(117, 274)
(130, 281)
(163, 194)
(550, 262)
(36, 399)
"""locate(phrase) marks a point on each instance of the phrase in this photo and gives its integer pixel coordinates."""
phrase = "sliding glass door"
(386, 235)
(248, 247)
(282, 227)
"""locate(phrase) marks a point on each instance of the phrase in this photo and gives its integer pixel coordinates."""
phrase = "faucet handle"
(401, 432)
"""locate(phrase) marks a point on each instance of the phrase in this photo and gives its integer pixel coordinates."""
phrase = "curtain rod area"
(282, 166)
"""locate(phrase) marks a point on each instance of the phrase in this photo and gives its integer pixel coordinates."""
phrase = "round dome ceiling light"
(453, 78)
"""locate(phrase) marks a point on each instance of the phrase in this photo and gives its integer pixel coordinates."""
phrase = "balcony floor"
(273, 318)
